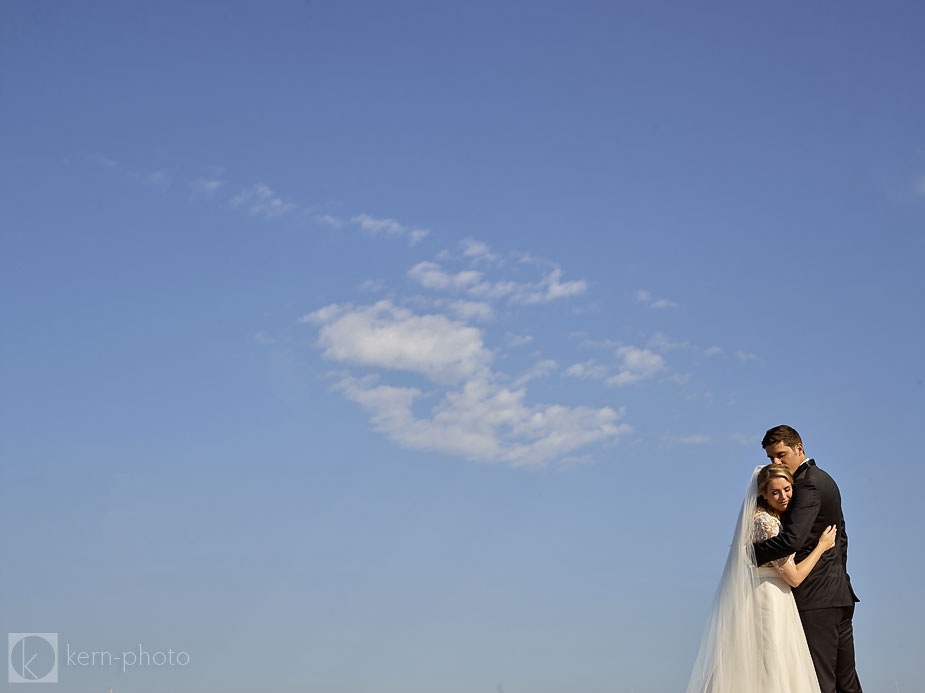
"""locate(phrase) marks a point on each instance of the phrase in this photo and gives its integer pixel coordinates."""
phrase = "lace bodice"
(766, 526)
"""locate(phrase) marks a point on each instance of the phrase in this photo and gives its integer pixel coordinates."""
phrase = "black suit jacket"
(815, 505)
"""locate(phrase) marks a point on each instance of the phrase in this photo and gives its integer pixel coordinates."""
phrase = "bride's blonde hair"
(765, 474)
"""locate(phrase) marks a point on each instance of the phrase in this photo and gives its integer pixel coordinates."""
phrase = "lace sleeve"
(767, 526)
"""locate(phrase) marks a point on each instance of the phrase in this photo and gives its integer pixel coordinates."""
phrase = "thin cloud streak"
(431, 275)
(645, 297)
(262, 201)
(374, 226)
(205, 188)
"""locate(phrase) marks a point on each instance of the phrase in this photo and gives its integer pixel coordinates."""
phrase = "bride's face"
(778, 494)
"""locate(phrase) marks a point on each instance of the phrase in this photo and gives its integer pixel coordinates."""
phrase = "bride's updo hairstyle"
(767, 473)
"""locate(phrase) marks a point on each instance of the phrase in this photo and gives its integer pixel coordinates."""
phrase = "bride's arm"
(794, 574)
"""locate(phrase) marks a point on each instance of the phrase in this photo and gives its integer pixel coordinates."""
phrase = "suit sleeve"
(843, 535)
(799, 524)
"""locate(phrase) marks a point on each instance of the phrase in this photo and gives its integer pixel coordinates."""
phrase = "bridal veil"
(729, 660)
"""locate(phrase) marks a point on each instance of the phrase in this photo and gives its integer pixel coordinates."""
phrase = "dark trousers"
(830, 637)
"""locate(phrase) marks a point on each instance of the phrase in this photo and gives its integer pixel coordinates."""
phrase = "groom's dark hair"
(781, 434)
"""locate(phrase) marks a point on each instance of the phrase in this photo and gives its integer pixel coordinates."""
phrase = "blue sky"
(374, 347)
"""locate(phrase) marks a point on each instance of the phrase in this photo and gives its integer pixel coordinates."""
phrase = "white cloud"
(389, 407)
(385, 336)
(330, 220)
(326, 314)
(646, 297)
(540, 370)
(636, 365)
(372, 286)
(374, 226)
(713, 351)
(472, 310)
(746, 356)
(550, 289)
(477, 250)
(430, 275)
(590, 369)
(494, 290)
(516, 340)
(389, 227)
(660, 342)
(205, 187)
(483, 421)
(261, 200)
(477, 416)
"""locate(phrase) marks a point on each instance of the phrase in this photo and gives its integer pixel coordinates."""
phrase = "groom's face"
(791, 458)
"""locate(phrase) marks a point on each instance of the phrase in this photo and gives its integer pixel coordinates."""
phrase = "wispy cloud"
(477, 250)
(645, 297)
(631, 365)
(205, 188)
(389, 227)
(539, 370)
(636, 365)
(431, 276)
(477, 417)
(590, 369)
(374, 226)
(330, 220)
(550, 287)
(372, 286)
(260, 200)
(472, 310)
(516, 340)
(660, 342)
(746, 356)
(386, 336)
(483, 421)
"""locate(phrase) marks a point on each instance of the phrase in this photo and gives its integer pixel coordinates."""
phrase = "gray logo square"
(33, 658)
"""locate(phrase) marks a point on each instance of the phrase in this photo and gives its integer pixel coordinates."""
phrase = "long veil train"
(729, 659)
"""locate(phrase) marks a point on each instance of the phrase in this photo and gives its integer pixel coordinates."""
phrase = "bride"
(754, 640)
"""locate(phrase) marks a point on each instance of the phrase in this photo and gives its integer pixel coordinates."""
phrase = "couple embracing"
(781, 621)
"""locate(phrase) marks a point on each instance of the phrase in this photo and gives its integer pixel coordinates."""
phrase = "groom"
(825, 598)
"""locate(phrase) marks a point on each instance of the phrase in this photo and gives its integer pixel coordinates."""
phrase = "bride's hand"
(827, 540)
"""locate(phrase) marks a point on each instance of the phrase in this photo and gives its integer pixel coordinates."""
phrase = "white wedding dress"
(754, 640)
